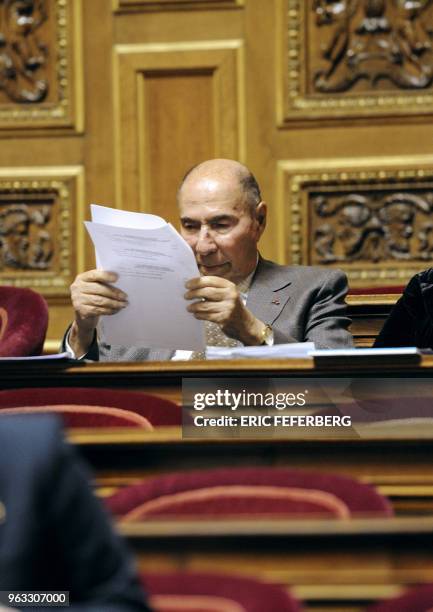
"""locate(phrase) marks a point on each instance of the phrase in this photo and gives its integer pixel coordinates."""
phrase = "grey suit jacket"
(302, 303)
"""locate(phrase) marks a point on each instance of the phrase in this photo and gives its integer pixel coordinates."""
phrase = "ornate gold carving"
(348, 58)
(125, 6)
(26, 232)
(382, 45)
(23, 55)
(36, 227)
(375, 224)
(40, 70)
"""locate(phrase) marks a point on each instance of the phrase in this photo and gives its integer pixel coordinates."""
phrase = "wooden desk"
(166, 376)
(332, 565)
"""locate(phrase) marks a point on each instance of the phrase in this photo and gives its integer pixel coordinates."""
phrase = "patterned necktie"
(215, 337)
(214, 334)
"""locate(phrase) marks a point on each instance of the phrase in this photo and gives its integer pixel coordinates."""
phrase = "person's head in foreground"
(54, 533)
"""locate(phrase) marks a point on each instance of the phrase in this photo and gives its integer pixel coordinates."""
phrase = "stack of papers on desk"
(294, 350)
(365, 352)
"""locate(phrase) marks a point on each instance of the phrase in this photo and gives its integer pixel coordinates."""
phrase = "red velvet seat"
(94, 407)
(197, 592)
(248, 492)
(419, 599)
(392, 290)
(23, 322)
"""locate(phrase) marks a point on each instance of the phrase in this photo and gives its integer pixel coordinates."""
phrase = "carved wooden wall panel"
(166, 95)
(39, 242)
(40, 64)
(174, 5)
(376, 224)
(176, 105)
(350, 58)
(171, 82)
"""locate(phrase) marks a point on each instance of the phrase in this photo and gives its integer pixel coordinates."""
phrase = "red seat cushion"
(394, 290)
(248, 492)
(86, 416)
(199, 592)
(23, 322)
(157, 411)
(419, 599)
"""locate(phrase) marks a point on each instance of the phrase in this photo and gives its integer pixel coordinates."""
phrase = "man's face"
(217, 224)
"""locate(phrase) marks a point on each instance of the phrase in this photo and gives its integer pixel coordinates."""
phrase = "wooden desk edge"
(273, 526)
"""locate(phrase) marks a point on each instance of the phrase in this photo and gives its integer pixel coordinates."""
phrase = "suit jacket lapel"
(269, 291)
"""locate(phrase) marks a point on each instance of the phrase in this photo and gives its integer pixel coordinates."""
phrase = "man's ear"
(261, 212)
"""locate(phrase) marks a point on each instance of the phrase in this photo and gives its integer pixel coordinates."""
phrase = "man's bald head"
(228, 172)
(222, 218)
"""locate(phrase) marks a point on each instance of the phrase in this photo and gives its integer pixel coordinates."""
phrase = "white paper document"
(47, 358)
(366, 352)
(277, 351)
(153, 263)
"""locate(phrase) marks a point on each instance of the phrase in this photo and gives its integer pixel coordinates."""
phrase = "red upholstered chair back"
(396, 290)
(419, 599)
(257, 491)
(92, 407)
(86, 416)
(197, 592)
(23, 322)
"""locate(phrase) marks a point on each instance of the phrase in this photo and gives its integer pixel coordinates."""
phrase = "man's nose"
(205, 242)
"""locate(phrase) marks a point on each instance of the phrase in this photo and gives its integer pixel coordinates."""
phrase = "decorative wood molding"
(146, 81)
(354, 59)
(127, 6)
(41, 227)
(369, 216)
(41, 65)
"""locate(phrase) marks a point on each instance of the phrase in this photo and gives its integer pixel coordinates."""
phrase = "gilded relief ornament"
(23, 55)
(373, 44)
(25, 242)
(373, 228)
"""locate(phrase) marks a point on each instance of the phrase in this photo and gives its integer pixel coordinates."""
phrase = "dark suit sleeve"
(90, 560)
(93, 352)
(410, 321)
(327, 323)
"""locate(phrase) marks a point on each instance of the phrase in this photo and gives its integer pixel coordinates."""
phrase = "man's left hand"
(219, 301)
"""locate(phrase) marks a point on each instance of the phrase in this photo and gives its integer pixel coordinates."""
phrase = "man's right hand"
(92, 295)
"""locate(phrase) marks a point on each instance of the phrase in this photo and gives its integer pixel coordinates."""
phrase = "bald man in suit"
(250, 300)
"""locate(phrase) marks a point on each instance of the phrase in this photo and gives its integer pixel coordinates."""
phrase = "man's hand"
(92, 296)
(219, 301)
